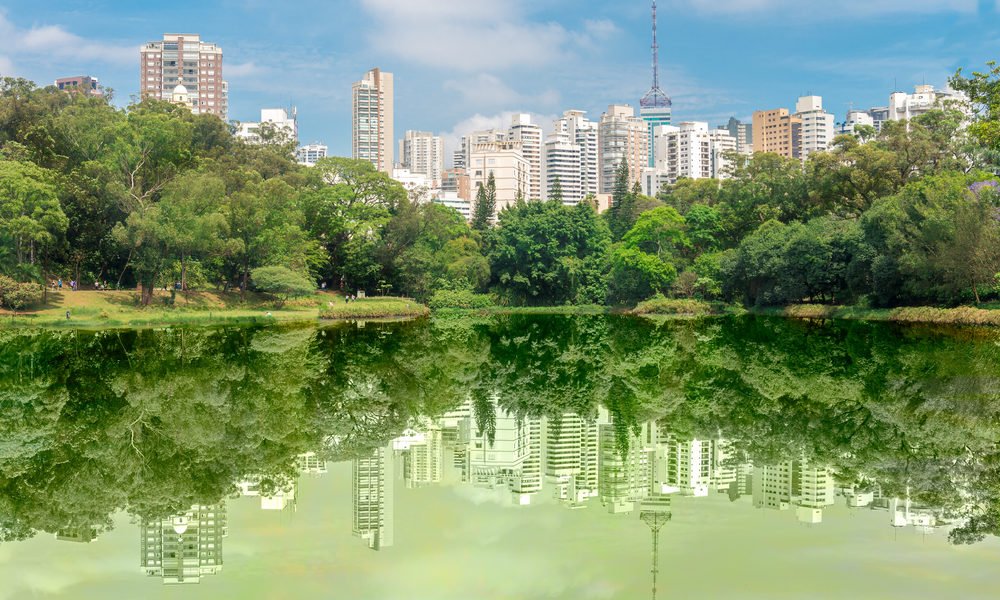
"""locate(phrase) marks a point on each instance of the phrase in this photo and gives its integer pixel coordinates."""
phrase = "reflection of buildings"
(902, 513)
(625, 464)
(423, 458)
(182, 548)
(310, 463)
(571, 457)
(794, 483)
(373, 498)
(279, 498)
(83, 534)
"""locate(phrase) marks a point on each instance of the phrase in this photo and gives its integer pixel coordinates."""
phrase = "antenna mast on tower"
(655, 97)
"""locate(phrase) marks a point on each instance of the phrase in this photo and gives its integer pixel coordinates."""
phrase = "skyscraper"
(373, 479)
(182, 59)
(778, 132)
(655, 108)
(623, 137)
(571, 155)
(422, 153)
(529, 135)
(182, 548)
(817, 126)
(372, 136)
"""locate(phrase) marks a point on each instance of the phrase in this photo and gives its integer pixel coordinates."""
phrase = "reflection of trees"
(157, 421)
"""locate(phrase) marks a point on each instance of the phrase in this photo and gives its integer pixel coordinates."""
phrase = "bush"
(282, 283)
(16, 296)
(460, 299)
(661, 305)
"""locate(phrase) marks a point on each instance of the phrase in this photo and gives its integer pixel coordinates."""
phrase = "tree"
(556, 193)
(983, 90)
(660, 232)
(193, 220)
(547, 253)
(621, 215)
(30, 213)
(282, 282)
(637, 275)
(482, 210)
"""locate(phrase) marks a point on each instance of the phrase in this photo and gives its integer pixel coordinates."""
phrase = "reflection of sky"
(451, 545)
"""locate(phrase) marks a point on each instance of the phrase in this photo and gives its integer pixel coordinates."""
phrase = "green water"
(511, 457)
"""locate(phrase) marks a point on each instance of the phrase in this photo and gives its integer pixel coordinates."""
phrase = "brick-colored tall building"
(372, 137)
(183, 59)
(778, 132)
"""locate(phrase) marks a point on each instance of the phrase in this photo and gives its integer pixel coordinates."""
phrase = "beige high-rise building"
(372, 136)
(622, 136)
(511, 171)
(530, 137)
(817, 126)
(183, 60)
(778, 132)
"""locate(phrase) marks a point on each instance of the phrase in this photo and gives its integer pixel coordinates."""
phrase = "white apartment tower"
(283, 125)
(422, 153)
(182, 548)
(572, 155)
(688, 150)
(906, 107)
(373, 479)
(310, 154)
(572, 447)
(181, 61)
(529, 135)
(372, 120)
(623, 137)
(817, 126)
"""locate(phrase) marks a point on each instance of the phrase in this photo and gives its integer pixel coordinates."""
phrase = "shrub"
(661, 305)
(16, 296)
(282, 282)
(460, 299)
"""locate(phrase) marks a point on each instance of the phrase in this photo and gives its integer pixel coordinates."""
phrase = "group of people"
(57, 284)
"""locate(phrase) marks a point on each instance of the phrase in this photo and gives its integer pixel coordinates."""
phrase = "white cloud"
(472, 35)
(486, 91)
(6, 66)
(826, 11)
(243, 70)
(53, 42)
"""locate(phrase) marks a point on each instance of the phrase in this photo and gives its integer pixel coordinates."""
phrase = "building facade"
(373, 479)
(743, 132)
(622, 137)
(183, 548)
(281, 127)
(906, 107)
(529, 135)
(85, 84)
(511, 171)
(778, 132)
(185, 60)
(422, 153)
(817, 126)
(572, 154)
(310, 154)
(373, 137)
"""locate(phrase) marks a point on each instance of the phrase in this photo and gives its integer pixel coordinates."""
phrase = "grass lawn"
(111, 309)
(963, 315)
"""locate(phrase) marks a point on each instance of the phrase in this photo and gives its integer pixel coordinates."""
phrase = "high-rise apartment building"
(183, 60)
(623, 137)
(276, 125)
(655, 108)
(688, 150)
(310, 154)
(794, 483)
(817, 126)
(373, 137)
(182, 548)
(743, 132)
(511, 171)
(571, 457)
(572, 155)
(373, 487)
(906, 107)
(85, 84)
(422, 153)
(777, 131)
(529, 135)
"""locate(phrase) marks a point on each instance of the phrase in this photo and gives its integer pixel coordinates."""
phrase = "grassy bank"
(373, 308)
(963, 315)
(589, 309)
(120, 309)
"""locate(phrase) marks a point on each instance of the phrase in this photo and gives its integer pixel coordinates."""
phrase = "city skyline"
(594, 57)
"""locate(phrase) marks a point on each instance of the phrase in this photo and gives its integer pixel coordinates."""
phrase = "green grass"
(586, 309)
(963, 315)
(660, 305)
(373, 308)
(120, 309)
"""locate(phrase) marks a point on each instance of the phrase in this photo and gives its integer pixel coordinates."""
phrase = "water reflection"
(624, 418)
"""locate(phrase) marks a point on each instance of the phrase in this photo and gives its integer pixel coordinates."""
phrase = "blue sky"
(466, 64)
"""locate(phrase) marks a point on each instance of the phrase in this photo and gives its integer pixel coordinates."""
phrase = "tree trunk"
(147, 292)
(975, 291)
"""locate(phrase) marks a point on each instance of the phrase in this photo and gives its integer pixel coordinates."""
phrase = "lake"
(503, 457)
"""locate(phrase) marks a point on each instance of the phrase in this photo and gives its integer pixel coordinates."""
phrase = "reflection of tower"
(373, 498)
(182, 548)
(797, 483)
(529, 480)
(688, 466)
(655, 512)
(310, 463)
(424, 460)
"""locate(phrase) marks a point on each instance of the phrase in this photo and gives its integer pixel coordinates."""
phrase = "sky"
(462, 65)
(455, 543)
